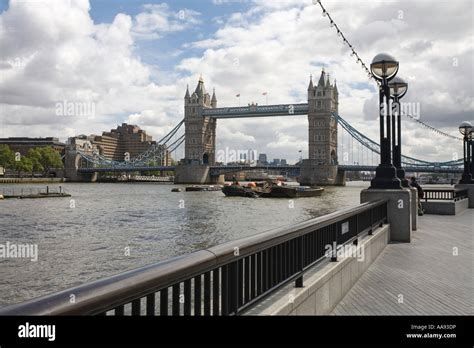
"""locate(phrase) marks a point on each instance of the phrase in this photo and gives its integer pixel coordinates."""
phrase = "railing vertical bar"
(207, 294)
(187, 297)
(215, 292)
(279, 262)
(136, 307)
(270, 266)
(225, 290)
(234, 286)
(176, 304)
(197, 295)
(371, 221)
(254, 275)
(275, 266)
(319, 243)
(119, 311)
(240, 283)
(299, 261)
(248, 279)
(259, 273)
(314, 246)
(289, 254)
(164, 302)
(150, 305)
(263, 272)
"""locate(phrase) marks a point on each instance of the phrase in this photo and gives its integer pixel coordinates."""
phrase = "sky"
(116, 61)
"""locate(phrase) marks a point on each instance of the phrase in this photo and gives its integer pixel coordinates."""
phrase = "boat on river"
(203, 188)
(274, 191)
(239, 191)
(294, 192)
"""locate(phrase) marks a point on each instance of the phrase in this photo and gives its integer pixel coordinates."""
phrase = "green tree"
(45, 158)
(25, 165)
(7, 157)
(35, 156)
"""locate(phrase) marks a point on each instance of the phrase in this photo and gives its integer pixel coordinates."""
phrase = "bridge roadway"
(217, 170)
(425, 274)
(257, 111)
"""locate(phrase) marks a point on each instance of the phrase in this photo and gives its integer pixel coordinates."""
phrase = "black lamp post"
(466, 130)
(398, 89)
(384, 68)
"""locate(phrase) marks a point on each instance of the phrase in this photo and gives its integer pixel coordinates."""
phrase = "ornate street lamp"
(384, 68)
(466, 130)
(398, 89)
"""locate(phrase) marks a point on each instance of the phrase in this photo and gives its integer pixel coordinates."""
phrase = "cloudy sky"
(131, 61)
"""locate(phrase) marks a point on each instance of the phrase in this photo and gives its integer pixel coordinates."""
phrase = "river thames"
(105, 229)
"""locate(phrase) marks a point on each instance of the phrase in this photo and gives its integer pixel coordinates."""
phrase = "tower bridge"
(201, 115)
(329, 157)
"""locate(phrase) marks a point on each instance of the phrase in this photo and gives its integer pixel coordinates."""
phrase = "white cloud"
(157, 20)
(52, 51)
(63, 56)
(277, 44)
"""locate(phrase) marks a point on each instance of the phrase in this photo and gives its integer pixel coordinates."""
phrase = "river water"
(105, 229)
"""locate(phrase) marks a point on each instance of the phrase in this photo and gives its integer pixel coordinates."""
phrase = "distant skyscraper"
(283, 162)
(276, 162)
(262, 158)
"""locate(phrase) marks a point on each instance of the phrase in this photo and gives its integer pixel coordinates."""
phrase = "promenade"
(432, 275)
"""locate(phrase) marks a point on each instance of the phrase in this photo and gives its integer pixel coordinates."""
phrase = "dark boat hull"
(238, 191)
(274, 192)
(293, 192)
(202, 188)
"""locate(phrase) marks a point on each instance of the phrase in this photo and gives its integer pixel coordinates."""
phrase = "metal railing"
(444, 194)
(223, 280)
(31, 191)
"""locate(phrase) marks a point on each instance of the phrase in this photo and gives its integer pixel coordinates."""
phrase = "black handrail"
(222, 280)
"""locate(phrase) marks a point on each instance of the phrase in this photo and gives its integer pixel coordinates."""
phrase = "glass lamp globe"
(398, 87)
(465, 128)
(384, 66)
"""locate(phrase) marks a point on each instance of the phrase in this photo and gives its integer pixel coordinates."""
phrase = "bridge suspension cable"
(168, 136)
(155, 152)
(374, 147)
(369, 73)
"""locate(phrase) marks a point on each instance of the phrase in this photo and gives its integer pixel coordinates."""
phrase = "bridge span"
(220, 170)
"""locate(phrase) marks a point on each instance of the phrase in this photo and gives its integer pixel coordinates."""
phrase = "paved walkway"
(422, 277)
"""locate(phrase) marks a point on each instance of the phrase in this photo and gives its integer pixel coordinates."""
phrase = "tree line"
(38, 160)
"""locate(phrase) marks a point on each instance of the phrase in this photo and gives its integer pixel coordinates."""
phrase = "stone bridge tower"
(200, 132)
(200, 139)
(321, 167)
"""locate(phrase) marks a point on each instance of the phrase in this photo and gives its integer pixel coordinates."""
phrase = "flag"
(264, 93)
(238, 95)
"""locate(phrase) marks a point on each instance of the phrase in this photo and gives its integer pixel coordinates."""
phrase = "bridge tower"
(200, 132)
(323, 102)
(200, 138)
